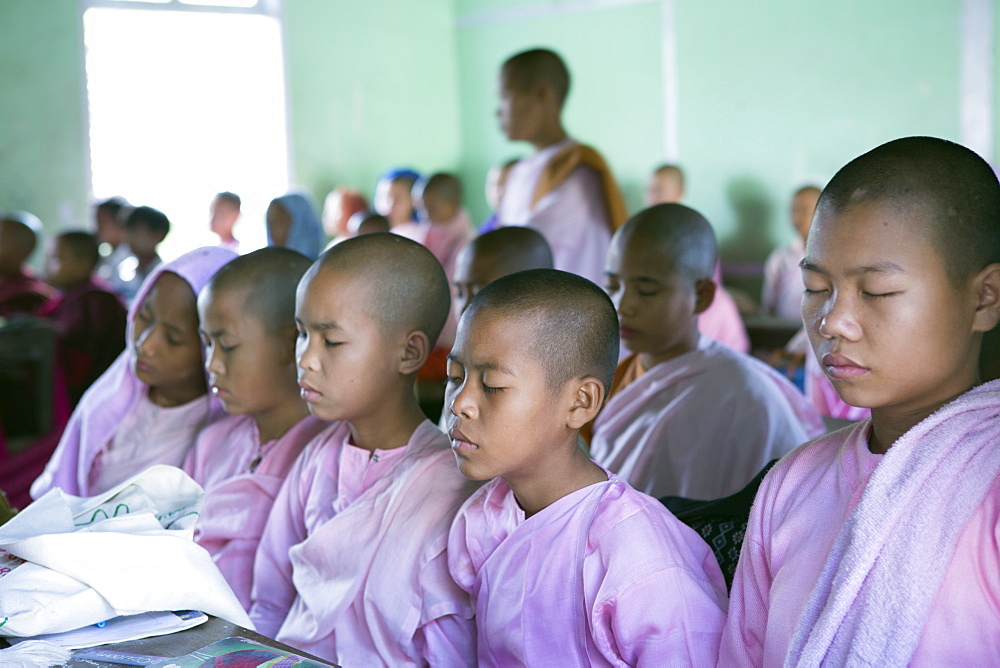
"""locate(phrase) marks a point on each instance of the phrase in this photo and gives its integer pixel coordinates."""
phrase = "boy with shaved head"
(495, 254)
(687, 416)
(247, 321)
(566, 563)
(20, 291)
(565, 190)
(877, 545)
(352, 564)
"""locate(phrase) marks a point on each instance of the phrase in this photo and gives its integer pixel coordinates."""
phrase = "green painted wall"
(43, 164)
(371, 84)
(768, 99)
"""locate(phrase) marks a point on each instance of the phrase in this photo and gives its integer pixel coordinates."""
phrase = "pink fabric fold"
(701, 425)
(873, 597)
(238, 500)
(112, 396)
(604, 576)
(352, 564)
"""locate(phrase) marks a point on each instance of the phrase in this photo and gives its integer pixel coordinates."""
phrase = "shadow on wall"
(751, 240)
(745, 250)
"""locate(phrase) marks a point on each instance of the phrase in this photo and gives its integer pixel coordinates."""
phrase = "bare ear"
(415, 352)
(588, 397)
(987, 283)
(704, 294)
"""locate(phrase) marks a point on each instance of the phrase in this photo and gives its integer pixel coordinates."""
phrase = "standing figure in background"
(21, 293)
(292, 222)
(782, 294)
(225, 212)
(565, 190)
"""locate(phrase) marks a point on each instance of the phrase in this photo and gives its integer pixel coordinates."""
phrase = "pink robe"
(782, 293)
(573, 218)
(604, 576)
(352, 565)
(803, 506)
(701, 425)
(117, 392)
(722, 321)
(241, 477)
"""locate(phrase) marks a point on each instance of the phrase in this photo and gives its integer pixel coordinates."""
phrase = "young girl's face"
(889, 328)
(251, 366)
(166, 348)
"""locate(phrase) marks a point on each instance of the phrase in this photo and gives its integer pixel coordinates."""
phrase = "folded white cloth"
(73, 561)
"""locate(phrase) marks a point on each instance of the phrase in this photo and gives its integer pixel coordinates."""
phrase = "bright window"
(185, 102)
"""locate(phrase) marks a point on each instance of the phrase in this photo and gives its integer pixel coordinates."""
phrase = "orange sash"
(562, 164)
(629, 370)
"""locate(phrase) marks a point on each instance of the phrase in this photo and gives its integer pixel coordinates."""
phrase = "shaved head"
(538, 66)
(21, 230)
(82, 245)
(575, 327)
(445, 186)
(495, 254)
(508, 250)
(407, 288)
(682, 235)
(950, 188)
(269, 276)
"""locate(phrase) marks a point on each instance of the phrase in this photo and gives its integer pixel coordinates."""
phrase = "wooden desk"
(183, 642)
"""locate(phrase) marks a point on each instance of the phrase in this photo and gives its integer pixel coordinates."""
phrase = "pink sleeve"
(273, 590)
(743, 637)
(669, 618)
(447, 635)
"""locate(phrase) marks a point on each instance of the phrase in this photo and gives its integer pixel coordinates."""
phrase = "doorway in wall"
(186, 98)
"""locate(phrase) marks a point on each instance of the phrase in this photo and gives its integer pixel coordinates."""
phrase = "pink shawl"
(115, 394)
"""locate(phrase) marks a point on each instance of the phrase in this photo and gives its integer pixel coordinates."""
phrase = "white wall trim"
(540, 10)
(668, 46)
(976, 86)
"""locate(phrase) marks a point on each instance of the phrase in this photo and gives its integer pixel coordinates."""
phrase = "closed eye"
(491, 390)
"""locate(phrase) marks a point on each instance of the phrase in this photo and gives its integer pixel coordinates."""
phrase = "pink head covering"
(114, 395)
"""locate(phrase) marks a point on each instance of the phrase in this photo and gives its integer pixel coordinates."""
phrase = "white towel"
(127, 551)
(873, 598)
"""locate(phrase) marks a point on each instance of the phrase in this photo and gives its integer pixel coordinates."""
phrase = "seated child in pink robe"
(247, 316)
(90, 320)
(352, 566)
(567, 564)
(21, 292)
(150, 404)
(687, 416)
(878, 544)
